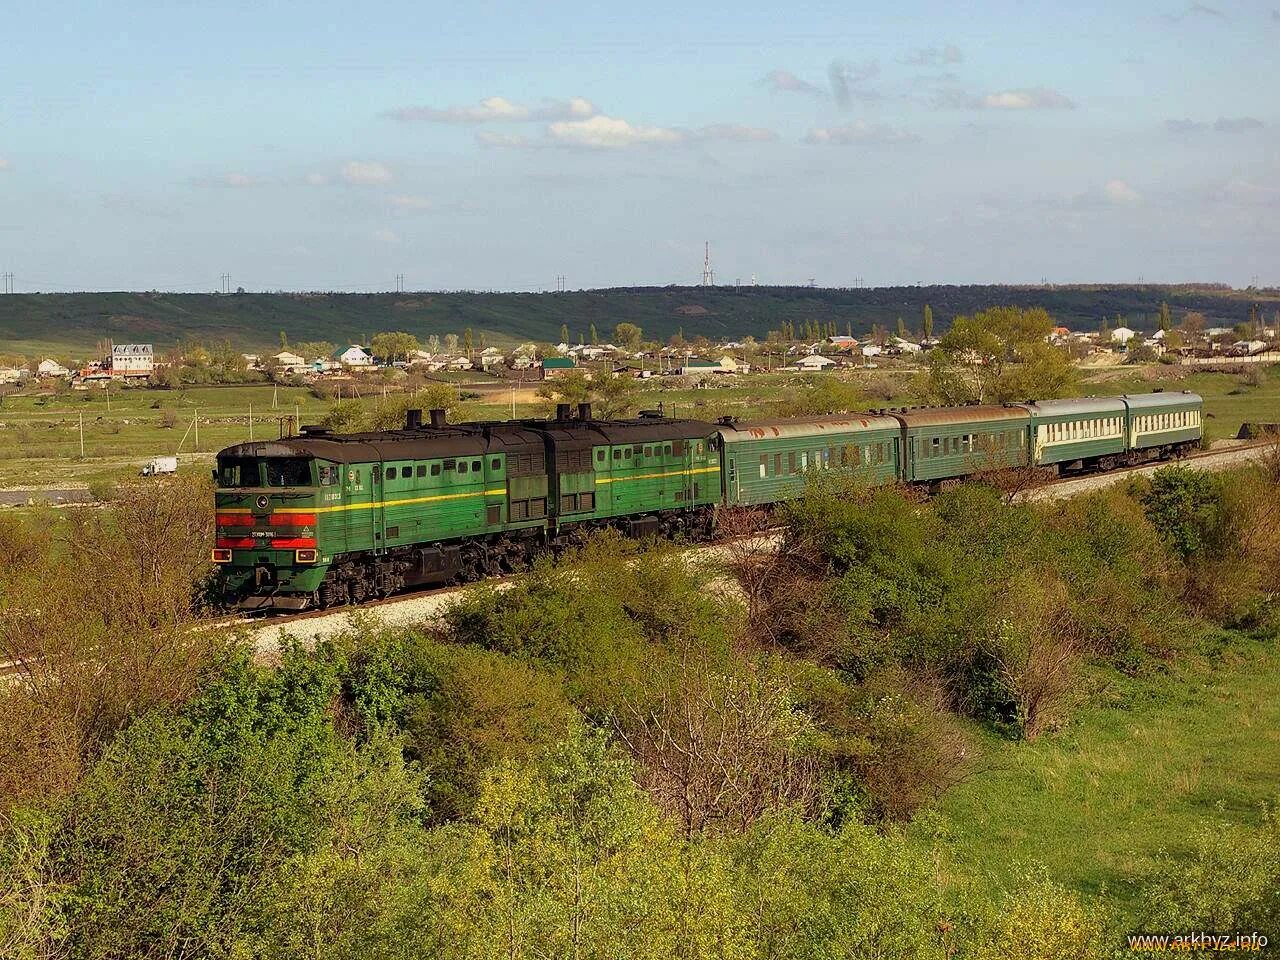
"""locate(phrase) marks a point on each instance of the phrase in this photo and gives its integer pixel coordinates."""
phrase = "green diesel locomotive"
(324, 519)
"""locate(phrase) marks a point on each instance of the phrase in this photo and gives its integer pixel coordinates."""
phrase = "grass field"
(1126, 780)
(40, 432)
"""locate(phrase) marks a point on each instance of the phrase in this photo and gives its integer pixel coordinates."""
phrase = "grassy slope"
(39, 323)
(1127, 779)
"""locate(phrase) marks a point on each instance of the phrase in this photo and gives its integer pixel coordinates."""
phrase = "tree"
(284, 341)
(314, 350)
(484, 340)
(394, 346)
(927, 322)
(613, 396)
(1193, 324)
(468, 342)
(628, 335)
(999, 355)
(1166, 320)
(572, 388)
(433, 343)
(564, 333)
(595, 337)
(902, 329)
(450, 343)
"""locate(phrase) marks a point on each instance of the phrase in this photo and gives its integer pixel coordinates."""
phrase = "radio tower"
(708, 275)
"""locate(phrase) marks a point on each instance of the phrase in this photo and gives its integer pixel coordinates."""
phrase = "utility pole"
(8, 282)
(399, 283)
(196, 423)
(251, 423)
(297, 418)
(81, 434)
(226, 283)
(708, 275)
(513, 400)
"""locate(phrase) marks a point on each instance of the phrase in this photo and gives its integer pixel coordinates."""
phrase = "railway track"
(423, 605)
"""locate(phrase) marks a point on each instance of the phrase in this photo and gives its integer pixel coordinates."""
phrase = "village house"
(132, 360)
(51, 368)
(354, 356)
(813, 363)
(289, 361)
(1122, 334)
(553, 367)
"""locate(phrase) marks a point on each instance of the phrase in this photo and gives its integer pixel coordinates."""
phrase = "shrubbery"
(618, 754)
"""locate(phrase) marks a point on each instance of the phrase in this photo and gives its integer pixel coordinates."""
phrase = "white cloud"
(1193, 11)
(4, 164)
(1121, 194)
(500, 109)
(934, 56)
(1034, 98)
(1221, 125)
(1236, 124)
(408, 201)
(487, 138)
(386, 236)
(316, 179)
(784, 81)
(851, 81)
(366, 173)
(735, 132)
(859, 132)
(1025, 98)
(234, 180)
(601, 132)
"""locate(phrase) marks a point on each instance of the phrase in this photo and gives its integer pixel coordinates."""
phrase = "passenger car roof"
(808, 427)
(942, 416)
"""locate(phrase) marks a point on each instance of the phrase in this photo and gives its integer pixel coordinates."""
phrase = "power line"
(708, 275)
(399, 283)
(8, 282)
(226, 283)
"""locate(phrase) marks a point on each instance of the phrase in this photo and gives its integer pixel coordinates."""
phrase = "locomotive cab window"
(495, 465)
(238, 472)
(287, 472)
(600, 455)
(328, 475)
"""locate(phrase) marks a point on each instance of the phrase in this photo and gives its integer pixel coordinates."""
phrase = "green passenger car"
(766, 461)
(1077, 434)
(944, 443)
(1161, 420)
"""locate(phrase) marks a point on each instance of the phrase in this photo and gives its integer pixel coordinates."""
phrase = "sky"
(499, 146)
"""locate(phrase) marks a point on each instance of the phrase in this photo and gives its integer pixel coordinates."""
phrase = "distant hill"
(77, 321)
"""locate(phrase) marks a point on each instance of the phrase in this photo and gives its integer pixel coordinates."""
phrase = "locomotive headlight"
(218, 555)
(304, 556)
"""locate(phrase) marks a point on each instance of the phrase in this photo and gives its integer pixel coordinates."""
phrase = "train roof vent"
(652, 414)
(315, 430)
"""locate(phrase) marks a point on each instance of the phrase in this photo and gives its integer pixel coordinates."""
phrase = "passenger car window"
(391, 473)
(435, 469)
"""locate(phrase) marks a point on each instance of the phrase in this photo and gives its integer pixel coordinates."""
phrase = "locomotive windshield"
(271, 472)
